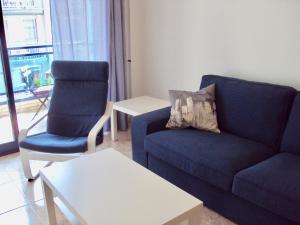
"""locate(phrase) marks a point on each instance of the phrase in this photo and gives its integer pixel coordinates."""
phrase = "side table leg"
(114, 125)
(49, 204)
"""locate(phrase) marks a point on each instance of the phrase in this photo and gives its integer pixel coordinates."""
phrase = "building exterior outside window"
(29, 40)
(21, 4)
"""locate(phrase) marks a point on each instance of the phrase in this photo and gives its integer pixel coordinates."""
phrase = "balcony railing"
(30, 70)
(30, 50)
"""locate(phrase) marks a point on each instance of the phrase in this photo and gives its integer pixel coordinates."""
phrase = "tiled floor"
(21, 202)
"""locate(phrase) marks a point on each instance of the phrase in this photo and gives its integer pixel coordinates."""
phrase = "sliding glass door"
(6, 130)
(5, 120)
(8, 120)
(25, 79)
(29, 43)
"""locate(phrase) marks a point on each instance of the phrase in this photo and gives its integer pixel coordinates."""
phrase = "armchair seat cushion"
(273, 184)
(214, 158)
(51, 143)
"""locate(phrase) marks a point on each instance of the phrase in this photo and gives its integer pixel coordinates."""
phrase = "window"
(21, 4)
(30, 31)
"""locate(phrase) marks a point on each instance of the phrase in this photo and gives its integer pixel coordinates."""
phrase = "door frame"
(9, 147)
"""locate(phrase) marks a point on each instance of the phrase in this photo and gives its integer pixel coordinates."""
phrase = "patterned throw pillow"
(194, 109)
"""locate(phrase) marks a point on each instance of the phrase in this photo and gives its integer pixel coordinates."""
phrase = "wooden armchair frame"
(27, 154)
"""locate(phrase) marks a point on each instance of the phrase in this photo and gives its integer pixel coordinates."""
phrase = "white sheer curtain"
(80, 29)
(92, 30)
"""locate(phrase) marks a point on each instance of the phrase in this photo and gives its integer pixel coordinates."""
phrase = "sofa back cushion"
(291, 137)
(253, 110)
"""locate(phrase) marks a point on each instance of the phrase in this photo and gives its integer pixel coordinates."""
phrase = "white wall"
(174, 42)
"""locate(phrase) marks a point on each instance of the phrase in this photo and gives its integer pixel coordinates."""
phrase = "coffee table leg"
(49, 203)
(195, 218)
(114, 125)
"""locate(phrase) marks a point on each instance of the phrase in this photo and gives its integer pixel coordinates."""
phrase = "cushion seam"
(284, 124)
(82, 81)
(78, 115)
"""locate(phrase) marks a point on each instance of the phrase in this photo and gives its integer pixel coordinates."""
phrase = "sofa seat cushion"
(273, 184)
(51, 143)
(214, 158)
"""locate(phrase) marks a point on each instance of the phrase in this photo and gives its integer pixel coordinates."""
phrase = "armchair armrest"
(97, 127)
(143, 125)
(23, 133)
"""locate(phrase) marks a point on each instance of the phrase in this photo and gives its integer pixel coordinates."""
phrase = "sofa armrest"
(143, 125)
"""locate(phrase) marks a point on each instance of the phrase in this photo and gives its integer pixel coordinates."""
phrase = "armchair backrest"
(79, 97)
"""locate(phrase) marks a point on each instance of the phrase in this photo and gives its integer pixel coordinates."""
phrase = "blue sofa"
(250, 173)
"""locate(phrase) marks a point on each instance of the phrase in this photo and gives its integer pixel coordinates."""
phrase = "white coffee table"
(106, 188)
(134, 107)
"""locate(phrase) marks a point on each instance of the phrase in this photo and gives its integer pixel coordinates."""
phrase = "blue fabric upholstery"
(142, 126)
(273, 184)
(80, 71)
(227, 204)
(78, 101)
(79, 97)
(52, 143)
(252, 117)
(257, 111)
(214, 158)
(291, 138)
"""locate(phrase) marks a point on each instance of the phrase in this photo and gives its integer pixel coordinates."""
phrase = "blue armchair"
(76, 116)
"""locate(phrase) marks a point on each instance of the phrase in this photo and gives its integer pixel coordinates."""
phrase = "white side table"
(134, 107)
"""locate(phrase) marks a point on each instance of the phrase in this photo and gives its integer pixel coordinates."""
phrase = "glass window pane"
(30, 32)
(29, 40)
(6, 133)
